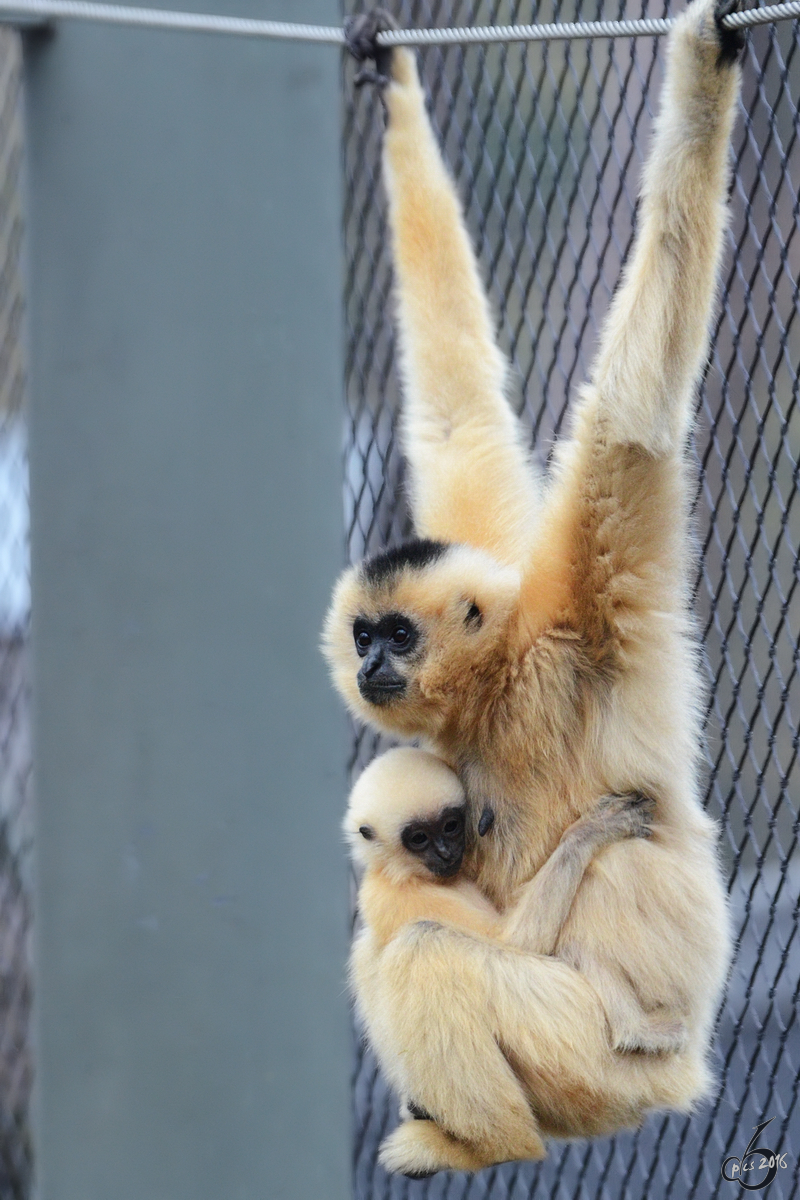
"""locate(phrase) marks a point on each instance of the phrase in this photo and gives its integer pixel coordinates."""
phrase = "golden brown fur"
(579, 678)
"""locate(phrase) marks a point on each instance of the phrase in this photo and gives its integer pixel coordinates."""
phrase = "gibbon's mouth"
(444, 869)
(378, 693)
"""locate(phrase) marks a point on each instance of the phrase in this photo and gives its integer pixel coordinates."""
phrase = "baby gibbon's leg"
(536, 919)
(471, 480)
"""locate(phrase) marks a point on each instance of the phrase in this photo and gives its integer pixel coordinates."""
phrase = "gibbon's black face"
(439, 843)
(382, 645)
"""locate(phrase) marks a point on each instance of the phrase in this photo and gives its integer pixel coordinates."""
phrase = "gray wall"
(183, 199)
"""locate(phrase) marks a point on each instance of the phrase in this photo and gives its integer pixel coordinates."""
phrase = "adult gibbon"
(538, 638)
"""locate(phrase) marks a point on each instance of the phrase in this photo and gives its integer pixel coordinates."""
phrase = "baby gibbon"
(538, 638)
(407, 829)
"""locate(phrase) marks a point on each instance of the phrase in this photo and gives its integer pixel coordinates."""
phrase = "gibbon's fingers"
(732, 41)
(360, 32)
(470, 477)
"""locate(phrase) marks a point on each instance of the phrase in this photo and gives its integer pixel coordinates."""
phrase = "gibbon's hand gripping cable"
(26, 12)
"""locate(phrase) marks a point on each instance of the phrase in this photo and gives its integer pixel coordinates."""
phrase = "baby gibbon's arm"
(471, 480)
(535, 921)
(387, 905)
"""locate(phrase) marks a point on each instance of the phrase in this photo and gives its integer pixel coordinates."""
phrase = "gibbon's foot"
(419, 1148)
(360, 33)
(655, 1035)
(731, 41)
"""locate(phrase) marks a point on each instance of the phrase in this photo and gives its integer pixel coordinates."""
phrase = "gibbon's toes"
(419, 1148)
(360, 35)
(656, 1036)
(731, 41)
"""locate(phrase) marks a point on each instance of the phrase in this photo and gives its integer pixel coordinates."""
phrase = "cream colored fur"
(581, 679)
(407, 785)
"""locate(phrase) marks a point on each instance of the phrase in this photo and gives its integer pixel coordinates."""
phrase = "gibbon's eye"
(366, 832)
(418, 840)
(450, 826)
(363, 641)
(400, 635)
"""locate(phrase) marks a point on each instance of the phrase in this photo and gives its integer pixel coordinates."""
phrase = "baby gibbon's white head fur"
(407, 628)
(407, 816)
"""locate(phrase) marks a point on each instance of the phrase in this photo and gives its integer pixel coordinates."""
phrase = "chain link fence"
(547, 143)
(16, 833)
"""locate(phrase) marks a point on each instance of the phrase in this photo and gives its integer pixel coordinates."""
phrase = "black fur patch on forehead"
(413, 554)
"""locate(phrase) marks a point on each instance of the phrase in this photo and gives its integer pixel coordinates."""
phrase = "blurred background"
(546, 143)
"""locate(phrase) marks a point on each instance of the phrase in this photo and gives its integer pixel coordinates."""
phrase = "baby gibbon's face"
(438, 841)
(407, 815)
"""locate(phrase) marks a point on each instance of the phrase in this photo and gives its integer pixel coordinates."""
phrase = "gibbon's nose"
(373, 662)
(445, 851)
(449, 859)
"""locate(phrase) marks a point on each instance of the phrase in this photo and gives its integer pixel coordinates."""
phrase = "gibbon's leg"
(540, 909)
(617, 515)
(471, 480)
(477, 1026)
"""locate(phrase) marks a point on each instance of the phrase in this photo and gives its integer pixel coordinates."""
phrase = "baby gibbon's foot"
(731, 41)
(360, 34)
(419, 1148)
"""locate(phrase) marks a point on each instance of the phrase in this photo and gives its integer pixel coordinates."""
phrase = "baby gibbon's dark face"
(382, 644)
(439, 842)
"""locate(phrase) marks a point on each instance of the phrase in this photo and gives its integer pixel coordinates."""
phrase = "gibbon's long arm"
(471, 480)
(655, 339)
(535, 920)
(619, 503)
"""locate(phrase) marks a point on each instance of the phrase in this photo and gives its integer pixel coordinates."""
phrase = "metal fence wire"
(546, 142)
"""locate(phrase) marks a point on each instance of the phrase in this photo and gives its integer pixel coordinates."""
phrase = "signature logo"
(755, 1159)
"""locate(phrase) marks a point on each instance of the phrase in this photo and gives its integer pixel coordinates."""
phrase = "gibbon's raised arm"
(655, 339)
(471, 480)
(616, 519)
